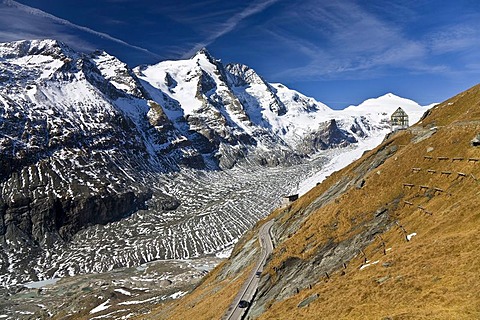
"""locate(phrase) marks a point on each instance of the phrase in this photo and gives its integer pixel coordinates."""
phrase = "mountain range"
(86, 142)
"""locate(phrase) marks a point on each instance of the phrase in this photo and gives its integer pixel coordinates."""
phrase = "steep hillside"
(392, 236)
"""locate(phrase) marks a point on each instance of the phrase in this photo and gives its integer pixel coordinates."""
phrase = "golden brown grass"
(436, 275)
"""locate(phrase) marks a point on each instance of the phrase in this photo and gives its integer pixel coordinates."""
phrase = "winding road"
(250, 286)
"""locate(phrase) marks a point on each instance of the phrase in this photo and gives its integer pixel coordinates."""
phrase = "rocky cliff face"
(50, 136)
(85, 140)
(328, 135)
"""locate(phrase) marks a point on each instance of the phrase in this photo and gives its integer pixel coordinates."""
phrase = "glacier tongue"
(103, 166)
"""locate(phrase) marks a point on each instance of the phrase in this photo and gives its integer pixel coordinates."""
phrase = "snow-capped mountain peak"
(383, 106)
(18, 49)
(118, 73)
(242, 75)
(43, 58)
(203, 53)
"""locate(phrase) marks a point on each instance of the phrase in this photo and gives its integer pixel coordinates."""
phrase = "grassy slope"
(436, 275)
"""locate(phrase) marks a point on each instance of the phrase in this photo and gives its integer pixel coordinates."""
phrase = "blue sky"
(340, 52)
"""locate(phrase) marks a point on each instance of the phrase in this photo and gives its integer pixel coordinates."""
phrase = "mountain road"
(238, 310)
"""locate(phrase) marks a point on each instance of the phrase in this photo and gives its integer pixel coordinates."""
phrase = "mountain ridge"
(87, 141)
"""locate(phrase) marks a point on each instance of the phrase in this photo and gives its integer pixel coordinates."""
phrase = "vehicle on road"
(258, 274)
(243, 304)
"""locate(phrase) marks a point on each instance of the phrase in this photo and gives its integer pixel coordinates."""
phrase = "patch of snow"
(142, 267)
(126, 303)
(40, 284)
(369, 264)
(225, 254)
(178, 294)
(103, 306)
(411, 235)
(122, 291)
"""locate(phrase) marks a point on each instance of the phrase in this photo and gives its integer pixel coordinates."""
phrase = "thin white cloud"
(39, 13)
(346, 40)
(454, 38)
(230, 24)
